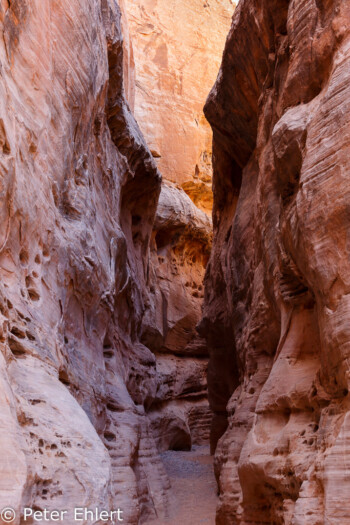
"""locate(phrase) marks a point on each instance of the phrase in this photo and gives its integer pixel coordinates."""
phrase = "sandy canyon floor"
(193, 487)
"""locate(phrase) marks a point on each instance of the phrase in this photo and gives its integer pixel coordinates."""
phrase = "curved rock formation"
(180, 248)
(101, 367)
(277, 286)
(79, 190)
(178, 47)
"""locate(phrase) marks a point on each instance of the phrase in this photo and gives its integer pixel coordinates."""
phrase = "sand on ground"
(193, 493)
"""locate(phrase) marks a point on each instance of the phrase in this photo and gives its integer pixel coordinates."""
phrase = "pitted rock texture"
(172, 50)
(79, 191)
(177, 49)
(276, 315)
(180, 248)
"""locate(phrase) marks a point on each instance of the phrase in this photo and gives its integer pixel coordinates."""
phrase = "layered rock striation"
(79, 191)
(101, 270)
(177, 51)
(171, 61)
(180, 248)
(277, 284)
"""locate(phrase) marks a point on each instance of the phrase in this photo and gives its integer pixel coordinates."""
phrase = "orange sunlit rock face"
(177, 50)
(172, 52)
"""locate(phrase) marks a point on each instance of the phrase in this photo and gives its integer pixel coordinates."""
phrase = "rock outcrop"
(79, 191)
(101, 288)
(276, 312)
(180, 248)
(177, 52)
(171, 58)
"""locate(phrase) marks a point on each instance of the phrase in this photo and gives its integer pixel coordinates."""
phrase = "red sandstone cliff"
(101, 273)
(79, 190)
(177, 52)
(277, 287)
(172, 53)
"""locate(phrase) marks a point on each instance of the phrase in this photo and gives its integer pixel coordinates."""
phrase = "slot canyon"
(174, 261)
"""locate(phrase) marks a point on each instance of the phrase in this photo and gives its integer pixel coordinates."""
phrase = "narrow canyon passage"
(172, 52)
(105, 237)
(142, 314)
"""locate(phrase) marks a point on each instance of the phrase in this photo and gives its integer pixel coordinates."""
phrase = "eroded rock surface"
(177, 51)
(277, 287)
(180, 248)
(173, 51)
(79, 190)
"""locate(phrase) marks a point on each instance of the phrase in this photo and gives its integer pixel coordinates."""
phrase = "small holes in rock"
(16, 347)
(18, 332)
(35, 401)
(23, 256)
(108, 354)
(113, 408)
(33, 294)
(63, 377)
(30, 336)
(37, 259)
(109, 436)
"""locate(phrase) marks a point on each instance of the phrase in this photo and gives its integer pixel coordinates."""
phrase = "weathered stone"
(177, 51)
(276, 295)
(180, 248)
(78, 198)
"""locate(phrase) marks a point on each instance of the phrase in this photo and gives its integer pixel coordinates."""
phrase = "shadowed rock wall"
(180, 248)
(79, 190)
(172, 50)
(277, 285)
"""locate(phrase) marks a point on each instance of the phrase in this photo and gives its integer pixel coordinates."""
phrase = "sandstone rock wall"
(178, 47)
(174, 59)
(180, 247)
(79, 190)
(277, 286)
